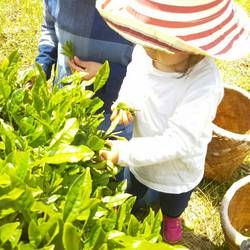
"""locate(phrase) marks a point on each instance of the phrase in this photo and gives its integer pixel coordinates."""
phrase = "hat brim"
(222, 45)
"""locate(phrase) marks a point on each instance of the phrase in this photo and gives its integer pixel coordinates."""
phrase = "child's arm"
(188, 132)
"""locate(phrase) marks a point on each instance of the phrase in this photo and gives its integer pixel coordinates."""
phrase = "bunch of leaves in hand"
(54, 192)
(68, 49)
(125, 107)
(115, 122)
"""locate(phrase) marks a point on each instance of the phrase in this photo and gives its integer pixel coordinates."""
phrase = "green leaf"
(40, 207)
(118, 199)
(68, 49)
(14, 194)
(5, 180)
(71, 237)
(95, 105)
(40, 93)
(128, 242)
(95, 143)
(97, 237)
(156, 226)
(21, 162)
(68, 153)
(133, 226)
(25, 200)
(122, 186)
(13, 58)
(125, 107)
(78, 196)
(101, 76)
(26, 125)
(9, 136)
(10, 232)
(35, 236)
(124, 213)
(75, 77)
(44, 232)
(67, 134)
(6, 212)
(23, 246)
(5, 90)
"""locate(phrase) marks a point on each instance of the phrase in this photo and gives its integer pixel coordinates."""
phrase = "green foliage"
(125, 107)
(68, 49)
(55, 192)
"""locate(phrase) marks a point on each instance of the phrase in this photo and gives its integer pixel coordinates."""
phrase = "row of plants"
(55, 191)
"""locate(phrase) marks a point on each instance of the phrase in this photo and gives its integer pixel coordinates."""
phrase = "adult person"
(94, 42)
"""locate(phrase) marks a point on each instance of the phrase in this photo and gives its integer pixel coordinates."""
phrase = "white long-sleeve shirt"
(173, 124)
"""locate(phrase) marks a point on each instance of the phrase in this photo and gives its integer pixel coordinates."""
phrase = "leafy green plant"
(125, 107)
(55, 192)
(68, 49)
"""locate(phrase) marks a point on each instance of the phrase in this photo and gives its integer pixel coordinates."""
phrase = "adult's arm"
(48, 43)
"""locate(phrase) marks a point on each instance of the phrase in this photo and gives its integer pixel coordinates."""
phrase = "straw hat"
(218, 28)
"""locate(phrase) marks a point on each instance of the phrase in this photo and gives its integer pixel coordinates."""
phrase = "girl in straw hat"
(175, 87)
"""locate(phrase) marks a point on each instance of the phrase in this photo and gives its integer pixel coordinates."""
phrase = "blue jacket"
(79, 21)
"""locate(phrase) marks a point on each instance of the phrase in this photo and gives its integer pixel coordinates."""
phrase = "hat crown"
(184, 6)
(210, 27)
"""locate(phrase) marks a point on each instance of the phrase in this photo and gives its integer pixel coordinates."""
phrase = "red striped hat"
(218, 28)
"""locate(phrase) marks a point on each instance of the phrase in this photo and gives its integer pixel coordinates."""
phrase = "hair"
(192, 60)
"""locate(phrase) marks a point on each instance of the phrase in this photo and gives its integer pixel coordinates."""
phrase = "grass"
(21, 30)
(20, 22)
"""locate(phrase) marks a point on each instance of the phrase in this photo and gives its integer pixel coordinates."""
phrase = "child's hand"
(119, 116)
(91, 68)
(112, 155)
(125, 117)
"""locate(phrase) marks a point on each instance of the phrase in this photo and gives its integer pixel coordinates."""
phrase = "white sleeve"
(187, 130)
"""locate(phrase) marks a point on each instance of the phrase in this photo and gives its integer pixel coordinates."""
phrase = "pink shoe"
(172, 229)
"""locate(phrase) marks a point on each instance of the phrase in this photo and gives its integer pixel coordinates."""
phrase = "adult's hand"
(90, 67)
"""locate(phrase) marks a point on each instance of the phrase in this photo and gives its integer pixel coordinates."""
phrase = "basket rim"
(231, 231)
(230, 135)
(226, 133)
(237, 88)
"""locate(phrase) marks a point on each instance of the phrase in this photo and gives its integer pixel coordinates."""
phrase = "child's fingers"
(113, 107)
(130, 117)
(109, 155)
(125, 119)
(113, 125)
(103, 154)
(121, 115)
(114, 114)
(108, 143)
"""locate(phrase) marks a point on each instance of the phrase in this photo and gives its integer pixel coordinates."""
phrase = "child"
(175, 89)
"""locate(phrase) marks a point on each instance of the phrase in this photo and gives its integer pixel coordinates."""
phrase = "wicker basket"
(231, 138)
(235, 213)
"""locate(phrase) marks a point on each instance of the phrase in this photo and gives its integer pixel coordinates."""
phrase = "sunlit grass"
(237, 72)
(20, 22)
